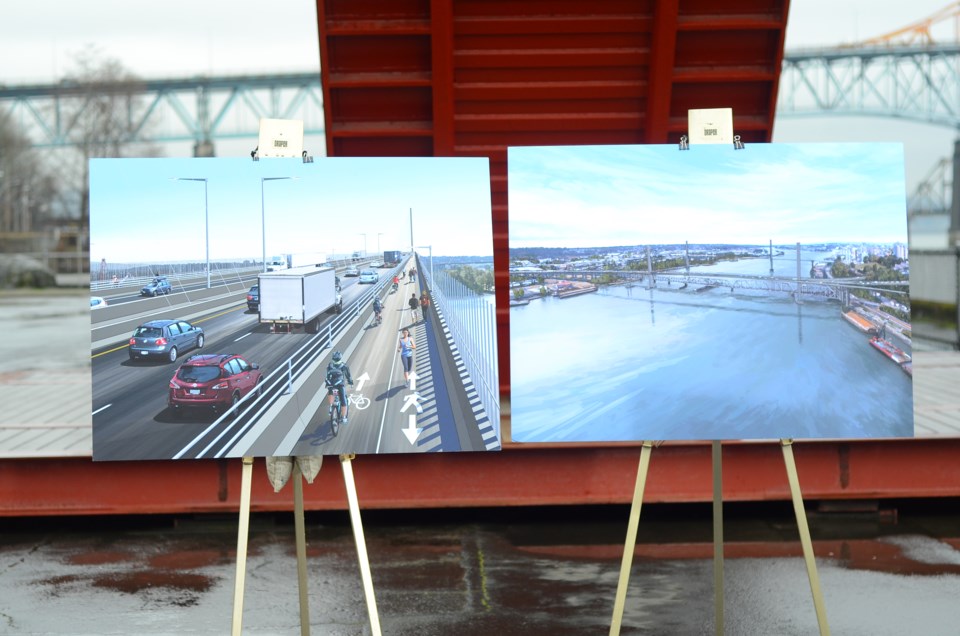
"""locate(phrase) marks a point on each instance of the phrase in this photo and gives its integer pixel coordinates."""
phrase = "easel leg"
(242, 537)
(345, 463)
(300, 531)
(788, 460)
(718, 538)
(631, 541)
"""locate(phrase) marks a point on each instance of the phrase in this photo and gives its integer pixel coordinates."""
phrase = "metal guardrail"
(471, 319)
(231, 274)
(221, 435)
(143, 274)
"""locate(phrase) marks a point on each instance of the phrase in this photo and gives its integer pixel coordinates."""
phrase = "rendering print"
(709, 293)
(283, 308)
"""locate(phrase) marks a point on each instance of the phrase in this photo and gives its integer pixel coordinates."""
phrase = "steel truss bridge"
(918, 82)
(197, 109)
(826, 288)
(915, 82)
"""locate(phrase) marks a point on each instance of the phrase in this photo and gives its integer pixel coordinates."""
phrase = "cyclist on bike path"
(337, 372)
(406, 347)
(377, 309)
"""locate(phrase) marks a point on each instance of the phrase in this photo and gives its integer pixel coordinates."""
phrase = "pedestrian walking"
(406, 346)
(424, 304)
(414, 304)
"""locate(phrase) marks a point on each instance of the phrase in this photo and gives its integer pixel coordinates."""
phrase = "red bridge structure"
(470, 78)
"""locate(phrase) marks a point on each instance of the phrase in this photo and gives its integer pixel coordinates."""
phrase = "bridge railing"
(471, 319)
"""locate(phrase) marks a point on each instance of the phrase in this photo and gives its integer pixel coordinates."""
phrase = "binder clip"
(684, 143)
(254, 154)
(307, 158)
(737, 144)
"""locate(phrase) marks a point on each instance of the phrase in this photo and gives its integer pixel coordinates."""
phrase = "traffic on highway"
(194, 380)
(214, 340)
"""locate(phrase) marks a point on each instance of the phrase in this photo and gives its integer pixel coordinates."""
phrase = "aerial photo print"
(709, 293)
(286, 308)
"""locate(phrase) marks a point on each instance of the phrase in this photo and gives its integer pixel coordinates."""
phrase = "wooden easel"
(625, 565)
(293, 131)
(716, 126)
(300, 531)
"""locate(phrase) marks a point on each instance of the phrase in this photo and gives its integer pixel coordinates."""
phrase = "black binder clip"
(737, 144)
(307, 158)
(254, 154)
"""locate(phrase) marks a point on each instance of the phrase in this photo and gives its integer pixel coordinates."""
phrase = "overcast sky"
(176, 38)
(39, 40)
(141, 213)
(636, 195)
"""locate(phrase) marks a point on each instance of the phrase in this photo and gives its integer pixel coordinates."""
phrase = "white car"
(96, 302)
(351, 271)
(368, 276)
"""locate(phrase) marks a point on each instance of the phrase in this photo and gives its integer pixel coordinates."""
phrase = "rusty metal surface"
(539, 572)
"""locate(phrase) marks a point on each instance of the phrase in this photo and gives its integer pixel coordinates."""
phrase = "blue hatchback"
(156, 287)
(164, 339)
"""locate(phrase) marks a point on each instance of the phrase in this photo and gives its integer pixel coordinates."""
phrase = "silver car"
(164, 339)
(368, 276)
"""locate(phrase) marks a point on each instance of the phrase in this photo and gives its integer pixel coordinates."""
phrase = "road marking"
(103, 353)
(412, 432)
(393, 365)
(243, 336)
(102, 408)
(414, 399)
(362, 380)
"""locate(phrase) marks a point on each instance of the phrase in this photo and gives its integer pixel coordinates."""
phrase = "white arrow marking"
(102, 408)
(413, 399)
(413, 380)
(363, 378)
(412, 432)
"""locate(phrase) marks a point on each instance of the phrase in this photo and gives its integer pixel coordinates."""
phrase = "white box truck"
(303, 259)
(298, 296)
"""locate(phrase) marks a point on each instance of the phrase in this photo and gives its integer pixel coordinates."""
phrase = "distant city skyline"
(153, 210)
(764, 245)
(788, 193)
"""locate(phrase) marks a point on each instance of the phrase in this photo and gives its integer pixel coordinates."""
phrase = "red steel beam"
(520, 475)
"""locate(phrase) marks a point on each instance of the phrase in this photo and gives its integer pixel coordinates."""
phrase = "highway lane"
(131, 420)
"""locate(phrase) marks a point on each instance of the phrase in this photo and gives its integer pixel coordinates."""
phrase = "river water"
(630, 364)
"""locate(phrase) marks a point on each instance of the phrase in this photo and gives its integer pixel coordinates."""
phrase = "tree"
(100, 121)
(27, 186)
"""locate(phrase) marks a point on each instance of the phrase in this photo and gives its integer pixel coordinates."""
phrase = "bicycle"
(336, 417)
(377, 318)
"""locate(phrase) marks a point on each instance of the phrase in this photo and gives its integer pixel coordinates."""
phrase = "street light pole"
(263, 218)
(206, 218)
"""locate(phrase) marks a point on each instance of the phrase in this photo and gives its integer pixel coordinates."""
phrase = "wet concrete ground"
(484, 572)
